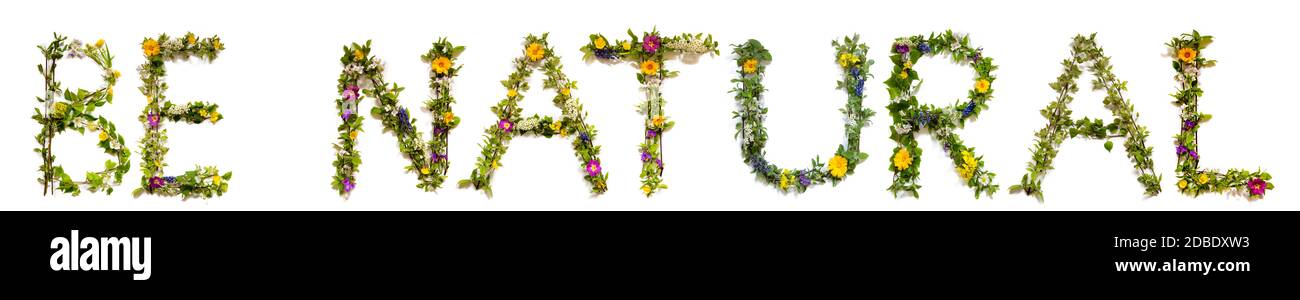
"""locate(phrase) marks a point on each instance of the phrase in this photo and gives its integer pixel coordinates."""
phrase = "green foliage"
(1188, 61)
(910, 116)
(362, 77)
(201, 181)
(1084, 50)
(76, 112)
(752, 60)
(649, 57)
(537, 55)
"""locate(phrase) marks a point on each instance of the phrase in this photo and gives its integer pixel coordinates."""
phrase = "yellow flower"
(424, 170)
(902, 159)
(441, 65)
(203, 113)
(1187, 55)
(447, 117)
(565, 91)
(982, 86)
(117, 74)
(512, 93)
(1182, 184)
(785, 179)
(190, 39)
(216, 180)
(535, 51)
(358, 55)
(839, 166)
(151, 47)
(103, 136)
(902, 75)
(658, 120)
(496, 164)
(99, 43)
(600, 43)
(649, 67)
(216, 44)
(627, 45)
(110, 91)
(1203, 179)
(557, 126)
(352, 135)
(646, 189)
(847, 59)
(967, 168)
(214, 116)
(751, 66)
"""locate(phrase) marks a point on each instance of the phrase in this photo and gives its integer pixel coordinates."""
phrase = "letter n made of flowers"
(752, 60)
(910, 116)
(362, 77)
(77, 112)
(537, 55)
(202, 181)
(1192, 180)
(648, 53)
(1084, 51)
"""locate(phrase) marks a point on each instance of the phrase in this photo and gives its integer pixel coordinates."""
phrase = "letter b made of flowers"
(77, 112)
(910, 116)
(363, 76)
(202, 181)
(648, 53)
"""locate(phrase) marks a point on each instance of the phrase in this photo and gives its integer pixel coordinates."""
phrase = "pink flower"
(1257, 186)
(651, 44)
(351, 92)
(593, 168)
(153, 120)
(505, 125)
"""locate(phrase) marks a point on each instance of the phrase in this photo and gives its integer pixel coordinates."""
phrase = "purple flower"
(1184, 150)
(153, 120)
(979, 54)
(924, 48)
(901, 48)
(803, 178)
(1257, 186)
(349, 108)
(156, 182)
(651, 133)
(505, 125)
(1188, 125)
(435, 157)
(584, 137)
(404, 119)
(352, 92)
(651, 44)
(660, 163)
(645, 156)
(348, 185)
(593, 168)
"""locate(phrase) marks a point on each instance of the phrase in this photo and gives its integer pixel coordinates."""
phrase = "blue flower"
(922, 118)
(924, 47)
(584, 137)
(606, 53)
(970, 107)
(404, 119)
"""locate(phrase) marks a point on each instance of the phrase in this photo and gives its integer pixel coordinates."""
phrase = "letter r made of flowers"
(76, 111)
(910, 116)
(363, 76)
(1188, 61)
(1085, 52)
(538, 55)
(648, 53)
(202, 182)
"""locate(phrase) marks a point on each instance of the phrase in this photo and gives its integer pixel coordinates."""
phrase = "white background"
(276, 87)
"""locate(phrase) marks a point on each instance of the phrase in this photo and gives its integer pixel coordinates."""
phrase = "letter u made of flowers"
(538, 55)
(1192, 180)
(202, 181)
(77, 112)
(752, 60)
(910, 116)
(1084, 51)
(648, 53)
(362, 77)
